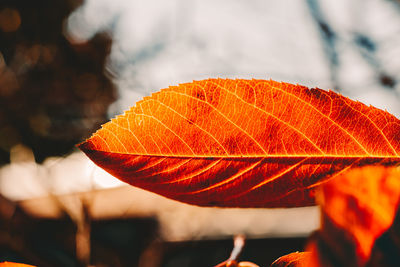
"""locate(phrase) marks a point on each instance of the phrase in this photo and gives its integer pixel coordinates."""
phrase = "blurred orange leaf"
(13, 264)
(295, 259)
(242, 143)
(357, 208)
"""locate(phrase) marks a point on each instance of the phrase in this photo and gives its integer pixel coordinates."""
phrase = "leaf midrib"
(394, 157)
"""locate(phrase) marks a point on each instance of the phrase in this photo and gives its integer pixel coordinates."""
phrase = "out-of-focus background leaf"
(53, 92)
(67, 66)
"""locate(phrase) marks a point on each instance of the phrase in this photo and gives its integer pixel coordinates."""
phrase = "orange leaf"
(357, 208)
(295, 259)
(12, 264)
(242, 143)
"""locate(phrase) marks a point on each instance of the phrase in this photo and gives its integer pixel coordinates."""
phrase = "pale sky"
(161, 43)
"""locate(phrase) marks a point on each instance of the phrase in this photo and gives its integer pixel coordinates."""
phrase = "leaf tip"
(85, 145)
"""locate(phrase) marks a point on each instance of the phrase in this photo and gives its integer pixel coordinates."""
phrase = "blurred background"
(67, 66)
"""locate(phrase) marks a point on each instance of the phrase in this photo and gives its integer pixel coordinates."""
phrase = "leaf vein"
(324, 115)
(160, 122)
(234, 177)
(229, 120)
(212, 136)
(273, 116)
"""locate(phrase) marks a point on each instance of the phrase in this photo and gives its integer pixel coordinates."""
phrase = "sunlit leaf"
(242, 143)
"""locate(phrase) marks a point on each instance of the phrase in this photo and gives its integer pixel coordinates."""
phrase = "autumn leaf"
(242, 143)
(295, 259)
(357, 209)
(13, 264)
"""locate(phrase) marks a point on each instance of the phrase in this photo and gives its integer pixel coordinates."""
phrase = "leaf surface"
(242, 143)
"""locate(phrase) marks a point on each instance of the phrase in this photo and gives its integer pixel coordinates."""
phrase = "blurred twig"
(328, 37)
(238, 244)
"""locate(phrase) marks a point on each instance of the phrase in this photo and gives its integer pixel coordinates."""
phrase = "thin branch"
(238, 245)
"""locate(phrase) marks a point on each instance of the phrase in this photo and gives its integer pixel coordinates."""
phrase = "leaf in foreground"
(242, 143)
(359, 219)
(13, 264)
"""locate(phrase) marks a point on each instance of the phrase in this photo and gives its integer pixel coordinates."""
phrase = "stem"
(238, 244)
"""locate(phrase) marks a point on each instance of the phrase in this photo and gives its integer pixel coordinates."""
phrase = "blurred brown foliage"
(53, 92)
